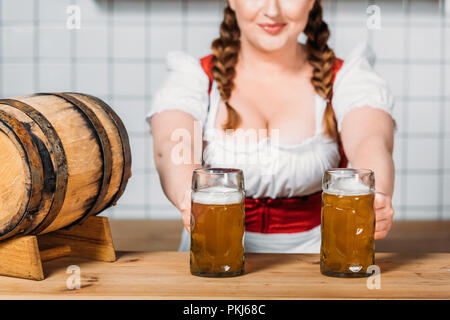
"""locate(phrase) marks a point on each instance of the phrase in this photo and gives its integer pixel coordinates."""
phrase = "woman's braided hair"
(320, 56)
(226, 51)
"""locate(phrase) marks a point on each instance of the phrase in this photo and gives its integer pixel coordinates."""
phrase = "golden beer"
(217, 231)
(348, 224)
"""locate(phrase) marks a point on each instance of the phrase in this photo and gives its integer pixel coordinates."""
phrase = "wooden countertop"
(165, 275)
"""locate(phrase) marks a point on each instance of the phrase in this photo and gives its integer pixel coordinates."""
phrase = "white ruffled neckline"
(219, 137)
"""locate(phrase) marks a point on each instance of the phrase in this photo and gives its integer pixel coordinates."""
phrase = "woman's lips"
(272, 28)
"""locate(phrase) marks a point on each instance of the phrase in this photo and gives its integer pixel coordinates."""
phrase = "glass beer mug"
(348, 222)
(217, 222)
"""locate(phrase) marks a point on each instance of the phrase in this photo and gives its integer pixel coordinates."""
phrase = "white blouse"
(272, 169)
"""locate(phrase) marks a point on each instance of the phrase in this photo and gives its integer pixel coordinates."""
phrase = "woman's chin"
(272, 45)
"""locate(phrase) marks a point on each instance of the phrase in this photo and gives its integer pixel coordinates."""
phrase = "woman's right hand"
(176, 177)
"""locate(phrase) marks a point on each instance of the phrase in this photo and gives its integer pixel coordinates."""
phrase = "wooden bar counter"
(165, 275)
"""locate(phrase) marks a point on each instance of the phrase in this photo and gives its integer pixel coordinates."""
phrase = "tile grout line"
(184, 23)
(441, 164)
(147, 80)
(73, 55)
(370, 33)
(36, 40)
(403, 181)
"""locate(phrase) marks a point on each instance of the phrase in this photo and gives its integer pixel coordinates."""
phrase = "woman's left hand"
(383, 215)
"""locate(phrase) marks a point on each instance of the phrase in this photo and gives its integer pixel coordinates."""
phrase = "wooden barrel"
(63, 157)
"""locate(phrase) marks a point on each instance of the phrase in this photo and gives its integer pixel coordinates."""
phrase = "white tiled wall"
(118, 55)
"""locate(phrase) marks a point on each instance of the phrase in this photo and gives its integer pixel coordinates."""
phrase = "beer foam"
(217, 195)
(348, 186)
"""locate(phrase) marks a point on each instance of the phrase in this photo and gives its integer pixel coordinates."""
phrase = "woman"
(263, 78)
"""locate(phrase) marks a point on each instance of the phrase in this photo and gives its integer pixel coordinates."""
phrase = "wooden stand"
(22, 257)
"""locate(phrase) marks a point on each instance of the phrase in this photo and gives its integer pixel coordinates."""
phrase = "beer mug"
(217, 222)
(348, 222)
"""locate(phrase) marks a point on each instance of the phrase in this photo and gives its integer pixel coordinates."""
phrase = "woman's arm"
(368, 139)
(175, 177)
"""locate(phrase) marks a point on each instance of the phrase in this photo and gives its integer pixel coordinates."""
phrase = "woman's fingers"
(383, 214)
(381, 235)
(383, 225)
(383, 222)
(381, 201)
(382, 228)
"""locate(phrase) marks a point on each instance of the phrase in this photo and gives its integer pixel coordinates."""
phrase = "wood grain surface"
(166, 275)
(20, 258)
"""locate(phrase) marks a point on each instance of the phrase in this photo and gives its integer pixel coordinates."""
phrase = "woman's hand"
(383, 215)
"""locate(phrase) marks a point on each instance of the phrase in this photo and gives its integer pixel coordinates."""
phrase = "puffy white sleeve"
(185, 87)
(358, 85)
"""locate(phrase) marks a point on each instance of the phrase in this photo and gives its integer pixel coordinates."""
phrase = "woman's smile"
(272, 28)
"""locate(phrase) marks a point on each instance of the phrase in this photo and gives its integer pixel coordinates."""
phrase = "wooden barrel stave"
(126, 151)
(116, 144)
